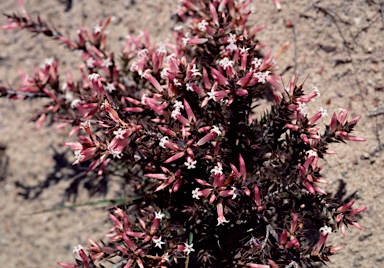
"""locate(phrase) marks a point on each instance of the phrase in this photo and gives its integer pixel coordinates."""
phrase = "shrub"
(215, 183)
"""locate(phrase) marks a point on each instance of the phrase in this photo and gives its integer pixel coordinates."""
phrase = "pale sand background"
(323, 32)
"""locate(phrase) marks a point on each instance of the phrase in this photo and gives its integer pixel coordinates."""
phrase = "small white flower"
(119, 133)
(232, 38)
(178, 105)
(145, 73)
(158, 242)
(76, 252)
(165, 257)
(175, 113)
(115, 154)
(317, 91)
(216, 129)
(97, 29)
(190, 86)
(170, 56)
(176, 82)
(261, 76)
(78, 155)
(195, 193)
(110, 87)
(302, 108)
(212, 94)
(325, 230)
(107, 63)
(244, 50)
(188, 248)
(164, 73)
(190, 163)
(74, 102)
(163, 141)
(143, 54)
(217, 170)
(257, 62)
(225, 63)
(161, 49)
(49, 61)
(202, 25)
(232, 47)
(233, 192)
(159, 215)
(143, 99)
(323, 112)
(93, 77)
(311, 153)
(185, 40)
(195, 71)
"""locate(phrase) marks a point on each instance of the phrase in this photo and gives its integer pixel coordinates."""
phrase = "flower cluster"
(215, 184)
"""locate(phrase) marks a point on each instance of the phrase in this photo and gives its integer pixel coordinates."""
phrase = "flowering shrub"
(216, 184)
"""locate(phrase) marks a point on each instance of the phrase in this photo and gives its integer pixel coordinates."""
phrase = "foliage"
(214, 183)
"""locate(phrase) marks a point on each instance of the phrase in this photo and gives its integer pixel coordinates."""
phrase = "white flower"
(202, 25)
(244, 50)
(325, 230)
(93, 77)
(302, 108)
(107, 63)
(74, 102)
(217, 170)
(190, 86)
(115, 154)
(159, 215)
(119, 133)
(163, 141)
(145, 73)
(49, 61)
(143, 99)
(161, 49)
(195, 71)
(165, 257)
(195, 193)
(212, 94)
(261, 76)
(188, 248)
(158, 242)
(190, 163)
(233, 192)
(164, 73)
(97, 29)
(76, 252)
(323, 112)
(185, 40)
(232, 38)
(257, 62)
(317, 91)
(216, 129)
(232, 47)
(178, 105)
(311, 153)
(232, 43)
(225, 63)
(78, 155)
(110, 87)
(143, 54)
(175, 113)
(170, 56)
(176, 82)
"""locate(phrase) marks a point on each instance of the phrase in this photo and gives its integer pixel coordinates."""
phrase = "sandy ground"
(337, 46)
